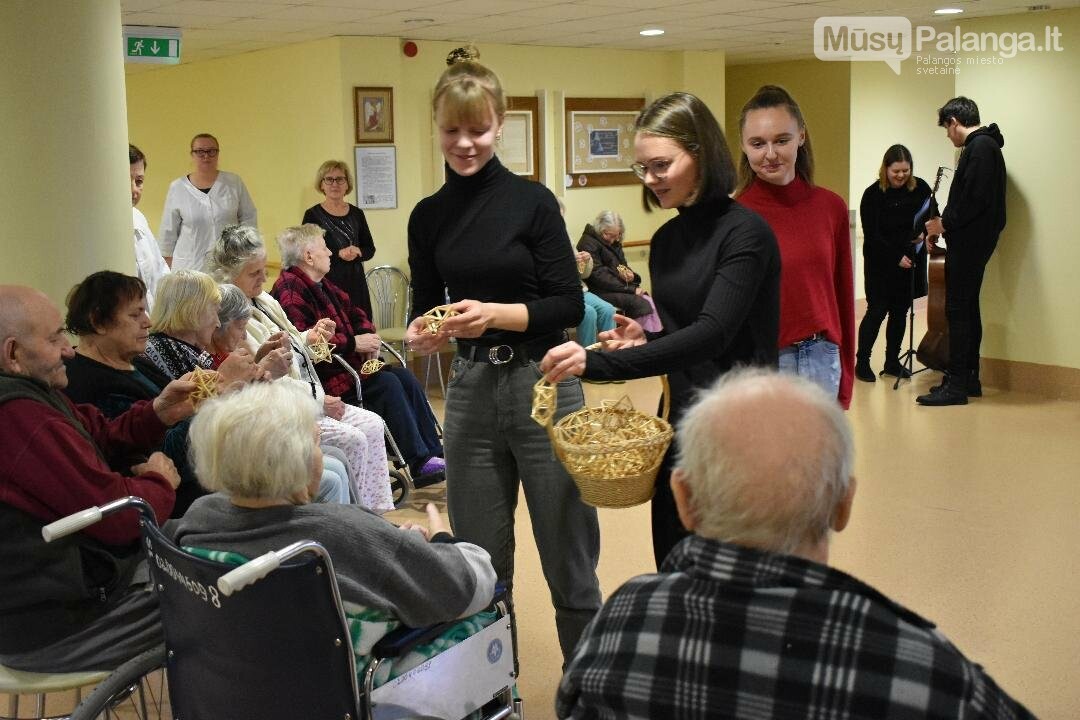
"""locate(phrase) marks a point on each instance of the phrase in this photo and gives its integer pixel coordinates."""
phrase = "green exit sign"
(151, 44)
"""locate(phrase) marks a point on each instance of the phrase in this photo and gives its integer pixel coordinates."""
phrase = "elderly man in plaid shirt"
(745, 619)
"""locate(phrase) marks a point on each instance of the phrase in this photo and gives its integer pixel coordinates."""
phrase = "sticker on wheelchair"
(455, 682)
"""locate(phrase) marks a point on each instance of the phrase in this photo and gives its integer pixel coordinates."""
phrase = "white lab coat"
(149, 264)
(193, 220)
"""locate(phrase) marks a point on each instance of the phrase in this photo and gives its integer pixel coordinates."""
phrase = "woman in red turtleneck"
(817, 297)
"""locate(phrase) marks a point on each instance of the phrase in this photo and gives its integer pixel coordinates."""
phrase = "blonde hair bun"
(469, 53)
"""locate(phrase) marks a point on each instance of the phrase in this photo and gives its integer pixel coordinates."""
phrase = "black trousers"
(965, 265)
(894, 331)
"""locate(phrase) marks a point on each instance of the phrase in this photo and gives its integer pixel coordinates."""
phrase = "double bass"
(933, 350)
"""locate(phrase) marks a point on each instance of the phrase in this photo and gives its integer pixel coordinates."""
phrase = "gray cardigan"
(378, 565)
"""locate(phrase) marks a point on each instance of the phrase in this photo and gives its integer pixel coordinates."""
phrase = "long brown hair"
(686, 120)
(770, 96)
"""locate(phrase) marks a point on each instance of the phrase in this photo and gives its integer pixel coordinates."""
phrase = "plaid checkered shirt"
(725, 631)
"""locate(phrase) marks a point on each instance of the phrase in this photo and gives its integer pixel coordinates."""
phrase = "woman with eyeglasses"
(498, 244)
(347, 234)
(715, 271)
(199, 205)
(817, 292)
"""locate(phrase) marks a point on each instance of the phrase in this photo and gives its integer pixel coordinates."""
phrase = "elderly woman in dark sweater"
(611, 278)
(715, 271)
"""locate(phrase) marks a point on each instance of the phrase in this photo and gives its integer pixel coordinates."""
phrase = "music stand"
(925, 212)
(907, 358)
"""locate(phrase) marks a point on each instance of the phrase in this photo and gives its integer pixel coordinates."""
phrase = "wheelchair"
(270, 639)
(402, 483)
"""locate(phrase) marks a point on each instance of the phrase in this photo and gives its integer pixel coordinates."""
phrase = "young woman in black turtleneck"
(715, 272)
(497, 244)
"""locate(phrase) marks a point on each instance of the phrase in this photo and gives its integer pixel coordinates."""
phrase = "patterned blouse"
(174, 357)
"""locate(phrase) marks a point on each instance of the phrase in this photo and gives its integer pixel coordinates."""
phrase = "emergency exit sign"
(151, 44)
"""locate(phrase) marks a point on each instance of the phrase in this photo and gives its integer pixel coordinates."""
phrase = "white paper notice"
(376, 177)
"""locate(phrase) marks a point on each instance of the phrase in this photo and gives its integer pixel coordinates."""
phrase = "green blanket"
(367, 627)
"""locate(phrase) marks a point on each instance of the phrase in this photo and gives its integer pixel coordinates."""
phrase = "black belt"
(502, 354)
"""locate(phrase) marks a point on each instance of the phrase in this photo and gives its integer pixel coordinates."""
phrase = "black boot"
(949, 392)
(894, 368)
(864, 372)
(974, 386)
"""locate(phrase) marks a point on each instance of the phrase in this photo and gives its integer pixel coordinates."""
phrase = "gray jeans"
(492, 444)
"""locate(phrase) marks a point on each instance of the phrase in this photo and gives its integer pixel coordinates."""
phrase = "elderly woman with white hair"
(308, 297)
(239, 258)
(421, 576)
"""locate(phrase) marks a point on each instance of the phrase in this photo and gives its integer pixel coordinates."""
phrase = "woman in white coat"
(200, 205)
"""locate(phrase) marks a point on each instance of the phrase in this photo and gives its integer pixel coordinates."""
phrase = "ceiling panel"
(747, 30)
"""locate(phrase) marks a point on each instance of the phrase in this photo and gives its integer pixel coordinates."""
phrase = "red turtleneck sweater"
(817, 292)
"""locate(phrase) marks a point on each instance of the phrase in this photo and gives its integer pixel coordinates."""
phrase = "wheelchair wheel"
(136, 689)
(399, 487)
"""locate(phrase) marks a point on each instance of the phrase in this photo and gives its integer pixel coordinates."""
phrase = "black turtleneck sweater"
(716, 282)
(495, 237)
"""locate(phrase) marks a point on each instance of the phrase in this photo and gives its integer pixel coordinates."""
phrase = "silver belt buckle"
(494, 354)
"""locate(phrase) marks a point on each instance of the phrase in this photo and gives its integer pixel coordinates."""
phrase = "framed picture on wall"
(599, 140)
(373, 112)
(519, 149)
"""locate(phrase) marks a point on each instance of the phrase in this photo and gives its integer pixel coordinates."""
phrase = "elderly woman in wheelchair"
(420, 576)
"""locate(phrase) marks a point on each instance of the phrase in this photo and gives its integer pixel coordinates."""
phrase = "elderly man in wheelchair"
(386, 576)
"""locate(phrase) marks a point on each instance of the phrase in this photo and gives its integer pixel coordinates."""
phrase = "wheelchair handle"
(71, 524)
(84, 518)
(248, 573)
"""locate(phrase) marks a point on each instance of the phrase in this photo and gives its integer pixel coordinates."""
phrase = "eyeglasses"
(336, 180)
(659, 168)
(205, 152)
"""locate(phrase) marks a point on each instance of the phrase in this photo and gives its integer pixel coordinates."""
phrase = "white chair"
(16, 682)
(391, 305)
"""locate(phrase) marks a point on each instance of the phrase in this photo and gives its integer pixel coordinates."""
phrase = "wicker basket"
(613, 451)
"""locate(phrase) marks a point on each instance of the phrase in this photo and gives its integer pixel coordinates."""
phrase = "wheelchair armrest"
(404, 639)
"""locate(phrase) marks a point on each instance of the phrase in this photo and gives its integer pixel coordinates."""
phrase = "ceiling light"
(651, 32)
(948, 11)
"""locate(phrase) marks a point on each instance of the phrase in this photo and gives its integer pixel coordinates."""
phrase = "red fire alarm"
(409, 48)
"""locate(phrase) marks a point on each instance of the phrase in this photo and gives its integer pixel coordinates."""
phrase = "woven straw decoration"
(206, 385)
(435, 316)
(372, 366)
(613, 452)
(321, 351)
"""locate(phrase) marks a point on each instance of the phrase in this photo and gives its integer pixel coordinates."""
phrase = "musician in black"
(971, 223)
(894, 260)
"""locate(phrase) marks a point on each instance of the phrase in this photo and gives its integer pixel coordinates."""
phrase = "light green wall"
(278, 113)
(887, 108)
(822, 90)
(1030, 300)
